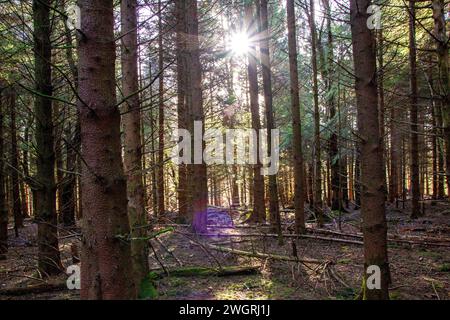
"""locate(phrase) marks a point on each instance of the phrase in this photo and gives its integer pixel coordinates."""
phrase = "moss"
(147, 289)
(281, 291)
(346, 294)
(445, 267)
(177, 282)
(344, 261)
(394, 295)
(430, 254)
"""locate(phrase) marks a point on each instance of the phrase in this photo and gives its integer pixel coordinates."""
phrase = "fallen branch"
(169, 252)
(206, 272)
(265, 255)
(40, 288)
(255, 235)
(392, 237)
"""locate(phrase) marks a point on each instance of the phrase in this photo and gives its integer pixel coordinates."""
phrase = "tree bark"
(318, 210)
(181, 30)
(73, 161)
(49, 261)
(105, 257)
(259, 207)
(328, 73)
(10, 96)
(68, 184)
(414, 120)
(297, 149)
(198, 183)
(160, 175)
(133, 142)
(372, 196)
(381, 98)
(274, 206)
(442, 47)
(395, 155)
(3, 202)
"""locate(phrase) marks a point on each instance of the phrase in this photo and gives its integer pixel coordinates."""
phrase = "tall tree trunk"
(160, 175)
(259, 208)
(49, 261)
(59, 159)
(381, 99)
(372, 197)
(26, 162)
(274, 206)
(73, 163)
(331, 103)
(235, 202)
(197, 173)
(414, 120)
(310, 184)
(3, 202)
(181, 29)
(105, 258)
(297, 149)
(395, 155)
(434, 130)
(68, 184)
(133, 142)
(434, 147)
(318, 210)
(10, 96)
(442, 47)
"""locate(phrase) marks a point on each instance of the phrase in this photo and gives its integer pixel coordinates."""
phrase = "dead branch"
(266, 256)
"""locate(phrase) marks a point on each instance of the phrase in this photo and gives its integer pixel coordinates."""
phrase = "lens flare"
(240, 43)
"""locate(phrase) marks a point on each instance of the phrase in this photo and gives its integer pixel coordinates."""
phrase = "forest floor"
(419, 261)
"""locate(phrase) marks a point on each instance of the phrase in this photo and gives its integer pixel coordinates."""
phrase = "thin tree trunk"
(381, 99)
(181, 103)
(59, 160)
(26, 164)
(434, 147)
(106, 258)
(68, 184)
(259, 208)
(274, 206)
(10, 96)
(317, 143)
(372, 197)
(73, 163)
(160, 175)
(414, 120)
(133, 142)
(3, 202)
(297, 149)
(331, 102)
(395, 155)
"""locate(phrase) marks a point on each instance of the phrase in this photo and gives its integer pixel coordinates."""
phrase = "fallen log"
(269, 235)
(35, 289)
(206, 272)
(427, 241)
(265, 255)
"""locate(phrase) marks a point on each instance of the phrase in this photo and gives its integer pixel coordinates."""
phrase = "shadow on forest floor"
(419, 271)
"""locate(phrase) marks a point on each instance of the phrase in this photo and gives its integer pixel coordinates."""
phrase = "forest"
(224, 150)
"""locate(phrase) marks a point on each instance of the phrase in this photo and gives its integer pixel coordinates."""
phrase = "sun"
(240, 44)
